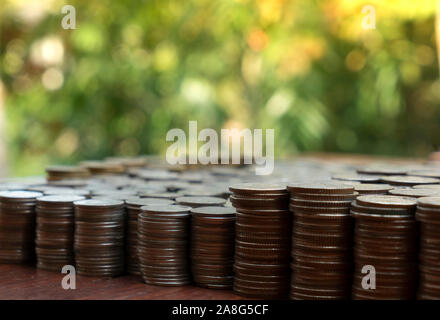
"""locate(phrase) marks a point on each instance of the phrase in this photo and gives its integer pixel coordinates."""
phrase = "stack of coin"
(99, 237)
(212, 246)
(135, 162)
(355, 177)
(133, 208)
(409, 181)
(415, 193)
(382, 169)
(56, 173)
(54, 231)
(262, 240)
(17, 226)
(385, 239)
(206, 191)
(195, 202)
(163, 238)
(66, 191)
(321, 240)
(161, 195)
(428, 213)
(98, 168)
(372, 188)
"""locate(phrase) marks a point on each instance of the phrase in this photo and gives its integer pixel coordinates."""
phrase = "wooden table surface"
(28, 282)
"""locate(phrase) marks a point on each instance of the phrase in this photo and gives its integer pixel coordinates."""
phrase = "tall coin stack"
(385, 252)
(212, 246)
(262, 240)
(321, 240)
(54, 231)
(428, 213)
(17, 226)
(133, 207)
(99, 237)
(163, 238)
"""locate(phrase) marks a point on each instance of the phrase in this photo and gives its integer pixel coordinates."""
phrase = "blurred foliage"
(133, 70)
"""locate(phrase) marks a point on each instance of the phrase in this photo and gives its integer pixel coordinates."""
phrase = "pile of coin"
(428, 213)
(98, 168)
(321, 240)
(133, 208)
(195, 202)
(372, 188)
(415, 192)
(409, 180)
(99, 237)
(385, 252)
(17, 226)
(56, 173)
(212, 246)
(54, 231)
(262, 240)
(163, 239)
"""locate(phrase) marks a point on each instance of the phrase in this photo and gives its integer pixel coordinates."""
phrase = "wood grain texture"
(26, 282)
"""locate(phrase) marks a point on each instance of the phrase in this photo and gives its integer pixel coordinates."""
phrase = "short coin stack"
(56, 173)
(98, 168)
(428, 213)
(54, 231)
(163, 239)
(195, 202)
(212, 246)
(321, 240)
(99, 237)
(372, 188)
(133, 207)
(262, 240)
(17, 226)
(386, 239)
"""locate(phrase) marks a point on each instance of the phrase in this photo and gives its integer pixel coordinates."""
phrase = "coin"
(262, 239)
(428, 209)
(164, 230)
(353, 176)
(17, 226)
(212, 246)
(416, 193)
(371, 188)
(385, 237)
(321, 240)
(99, 237)
(63, 172)
(320, 187)
(409, 180)
(195, 202)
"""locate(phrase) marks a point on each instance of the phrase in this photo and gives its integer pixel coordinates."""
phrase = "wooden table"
(28, 282)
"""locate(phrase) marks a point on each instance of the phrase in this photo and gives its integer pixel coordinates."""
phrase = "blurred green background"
(131, 71)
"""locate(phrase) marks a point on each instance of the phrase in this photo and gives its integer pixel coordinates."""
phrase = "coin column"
(133, 207)
(17, 226)
(322, 241)
(428, 213)
(212, 246)
(262, 240)
(99, 237)
(195, 202)
(54, 231)
(163, 238)
(385, 251)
